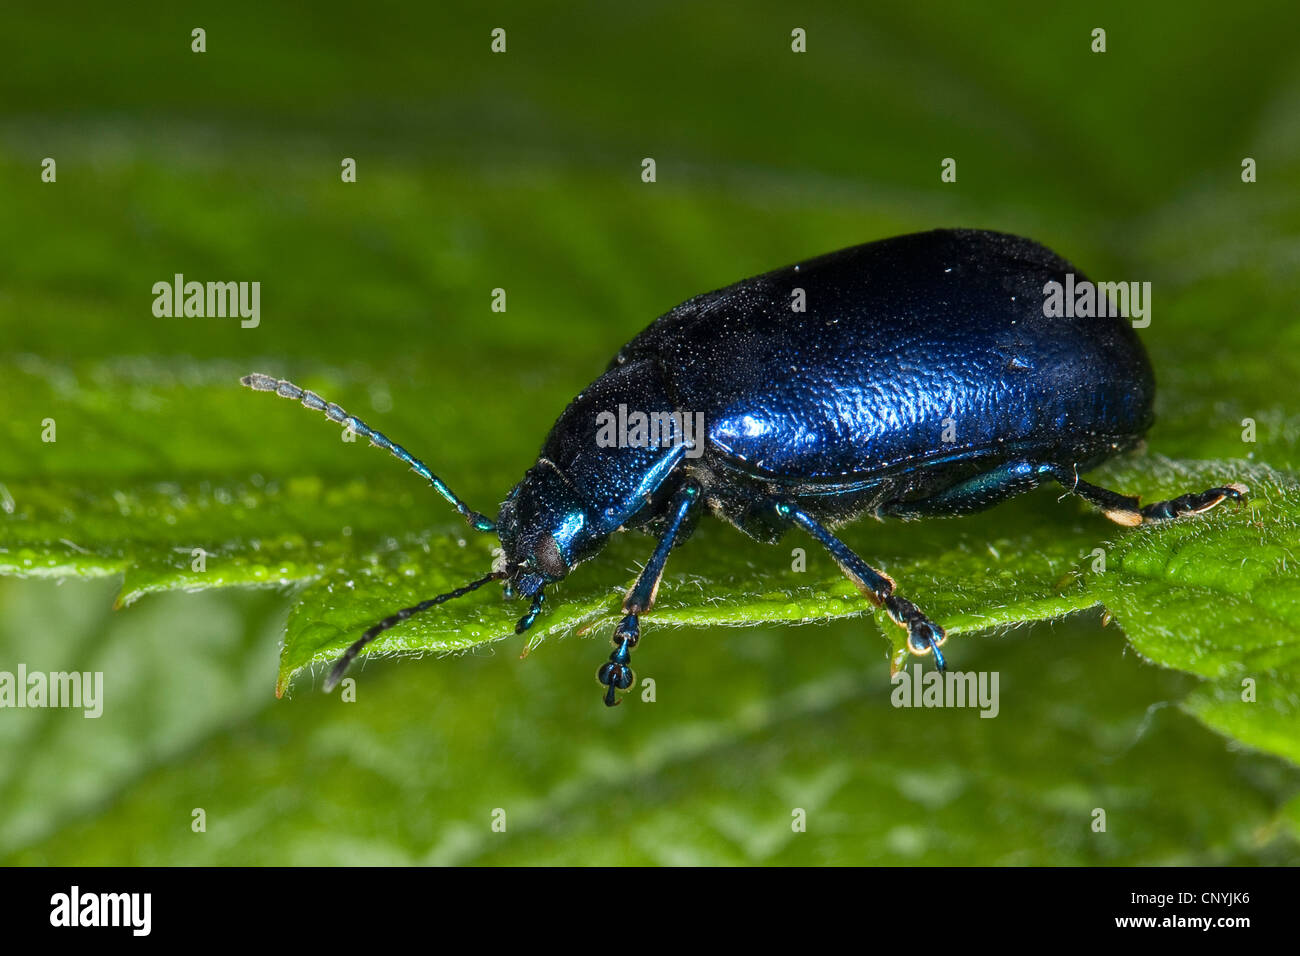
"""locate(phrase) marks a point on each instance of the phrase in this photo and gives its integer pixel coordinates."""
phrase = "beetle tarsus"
(617, 674)
(534, 609)
(923, 635)
(1194, 503)
(1125, 509)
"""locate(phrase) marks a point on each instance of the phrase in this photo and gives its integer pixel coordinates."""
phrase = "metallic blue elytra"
(911, 377)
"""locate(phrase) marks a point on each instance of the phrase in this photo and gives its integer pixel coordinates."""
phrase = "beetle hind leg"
(923, 635)
(974, 494)
(1127, 510)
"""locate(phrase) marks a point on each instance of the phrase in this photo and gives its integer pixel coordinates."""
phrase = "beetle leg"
(1126, 510)
(525, 622)
(923, 635)
(617, 674)
(974, 494)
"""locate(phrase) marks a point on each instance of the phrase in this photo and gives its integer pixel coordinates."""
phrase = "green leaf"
(747, 727)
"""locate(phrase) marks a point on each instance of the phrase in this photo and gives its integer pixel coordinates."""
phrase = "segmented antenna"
(286, 389)
(341, 665)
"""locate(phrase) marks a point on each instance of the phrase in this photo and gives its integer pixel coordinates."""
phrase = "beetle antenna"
(341, 665)
(286, 389)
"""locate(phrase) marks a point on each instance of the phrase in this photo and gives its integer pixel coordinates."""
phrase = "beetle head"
(545, 530)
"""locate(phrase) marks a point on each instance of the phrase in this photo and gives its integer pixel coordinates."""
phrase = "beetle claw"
(926, 638)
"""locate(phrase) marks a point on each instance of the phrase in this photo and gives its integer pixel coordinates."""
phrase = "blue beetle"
(911, 377)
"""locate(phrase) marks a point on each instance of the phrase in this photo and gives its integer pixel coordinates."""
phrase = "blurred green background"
(522, 171)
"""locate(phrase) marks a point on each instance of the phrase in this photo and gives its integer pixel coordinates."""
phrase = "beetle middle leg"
(617, 674)
(1127, 510)
(923, 635)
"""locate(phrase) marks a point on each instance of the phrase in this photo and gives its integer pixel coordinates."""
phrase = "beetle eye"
(549, 558)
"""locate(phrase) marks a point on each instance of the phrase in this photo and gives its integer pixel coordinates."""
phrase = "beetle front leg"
(530, 616)
(1126, 510)
(617, 674)
(923, 635)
